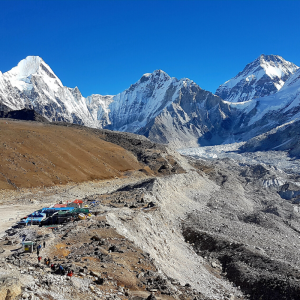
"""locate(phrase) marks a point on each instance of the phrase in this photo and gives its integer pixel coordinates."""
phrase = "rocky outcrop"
(10, 287)
(24, 114)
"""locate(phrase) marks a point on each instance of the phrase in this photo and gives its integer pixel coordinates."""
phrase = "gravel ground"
(16, 204)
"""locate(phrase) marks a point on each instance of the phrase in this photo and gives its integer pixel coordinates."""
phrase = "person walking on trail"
(39, 259)
(38, 251)
(44, 244)
(61, 270)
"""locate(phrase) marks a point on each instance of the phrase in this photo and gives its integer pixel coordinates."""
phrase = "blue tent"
(49, 211)
(34, 218)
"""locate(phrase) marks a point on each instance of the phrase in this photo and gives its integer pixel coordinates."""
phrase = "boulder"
(10, 287)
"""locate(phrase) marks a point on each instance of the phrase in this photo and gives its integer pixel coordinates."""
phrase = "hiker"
(44, 244)
(49, 261)
(70, 273)
(39, 258)
(61, 270)
(39, 247)
(52, 267)
(45, 261)
(37, 251)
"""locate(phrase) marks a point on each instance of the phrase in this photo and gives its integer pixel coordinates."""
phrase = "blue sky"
(105, 46)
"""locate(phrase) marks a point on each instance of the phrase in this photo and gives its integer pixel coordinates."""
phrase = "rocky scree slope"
(226, 223)
(106, 265)
(247, 230)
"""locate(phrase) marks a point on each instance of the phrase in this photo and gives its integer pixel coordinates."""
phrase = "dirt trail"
(15, 204)
(12, 213)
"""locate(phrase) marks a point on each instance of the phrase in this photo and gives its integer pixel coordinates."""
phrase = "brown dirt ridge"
(36, 154)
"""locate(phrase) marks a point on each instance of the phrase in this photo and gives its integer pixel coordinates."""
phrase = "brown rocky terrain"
(36, 154)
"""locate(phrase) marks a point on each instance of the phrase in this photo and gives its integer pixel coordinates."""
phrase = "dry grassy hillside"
(35, 154)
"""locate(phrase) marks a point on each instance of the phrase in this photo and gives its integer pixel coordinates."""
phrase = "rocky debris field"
(18, 203)
(217, 231)
(248, 230)
(106, 265)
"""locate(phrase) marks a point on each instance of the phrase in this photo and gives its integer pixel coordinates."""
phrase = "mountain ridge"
(163, 108)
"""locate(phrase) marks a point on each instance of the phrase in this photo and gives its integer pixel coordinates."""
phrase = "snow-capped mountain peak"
(277, 67)
(155, 76)
(32, 83)
(20, 76)
(263, 77)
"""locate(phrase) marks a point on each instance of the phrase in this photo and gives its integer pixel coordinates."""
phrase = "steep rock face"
(264, 76)
(143, 101)
(98, 107)
(282, 138)
(195, 117)
(170, 111)
(23, 114)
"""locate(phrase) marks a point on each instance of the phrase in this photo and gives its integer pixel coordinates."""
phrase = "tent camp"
(76, 203)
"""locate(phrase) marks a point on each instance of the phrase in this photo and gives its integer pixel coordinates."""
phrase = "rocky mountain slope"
(65, 153)
(37, 154)
(263, 77)
(281, 138)
(168, 110)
